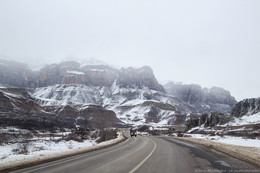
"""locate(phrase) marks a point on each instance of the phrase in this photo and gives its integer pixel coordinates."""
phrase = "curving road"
(140, 155)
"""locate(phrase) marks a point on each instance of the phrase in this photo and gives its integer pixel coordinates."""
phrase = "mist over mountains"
(133, 94)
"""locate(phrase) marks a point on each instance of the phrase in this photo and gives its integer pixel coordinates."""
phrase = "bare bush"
(105, 135)
(23, 148)
(5, 138)
(1, 139)
(78, 136)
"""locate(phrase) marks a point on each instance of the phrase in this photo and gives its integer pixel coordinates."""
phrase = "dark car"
(133, 133)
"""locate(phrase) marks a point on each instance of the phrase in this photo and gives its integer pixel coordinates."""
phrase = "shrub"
(105, 135)
(23, 148)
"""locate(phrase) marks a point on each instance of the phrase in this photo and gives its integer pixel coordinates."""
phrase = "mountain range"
(130, 96)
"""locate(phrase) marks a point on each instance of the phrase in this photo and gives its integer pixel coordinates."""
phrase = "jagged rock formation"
(246, 107)
(205, 100)
(138, 77)
(91, 116)
(207, 120)
(71, 72)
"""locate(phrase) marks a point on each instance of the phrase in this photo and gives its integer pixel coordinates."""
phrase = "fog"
(210, 43)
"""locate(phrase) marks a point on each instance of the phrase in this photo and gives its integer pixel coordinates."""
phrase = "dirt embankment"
(248, 154)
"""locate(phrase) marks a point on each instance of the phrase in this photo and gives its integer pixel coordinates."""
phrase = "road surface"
(140, 155)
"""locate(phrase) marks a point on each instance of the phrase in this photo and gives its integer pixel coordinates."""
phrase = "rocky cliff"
(138, 77)
(203, 99)
(246, 107)
(71, 72)
(16, 74)
(207, 120)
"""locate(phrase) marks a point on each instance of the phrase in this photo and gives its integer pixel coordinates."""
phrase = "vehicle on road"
(133, 132)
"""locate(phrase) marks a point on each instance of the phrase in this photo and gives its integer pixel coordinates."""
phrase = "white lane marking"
(141, 163)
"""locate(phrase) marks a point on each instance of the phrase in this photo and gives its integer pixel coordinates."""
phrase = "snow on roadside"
(41, 150)
(229, 140)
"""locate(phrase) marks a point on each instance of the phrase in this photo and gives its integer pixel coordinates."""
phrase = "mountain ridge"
(134, 94)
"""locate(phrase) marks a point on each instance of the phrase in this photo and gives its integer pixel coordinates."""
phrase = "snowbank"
(229, 140)
(42, 151)
(249, 154)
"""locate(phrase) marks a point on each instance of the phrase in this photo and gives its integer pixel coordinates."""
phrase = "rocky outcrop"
(71, 72)
(91, 116)
(203, 99)
(207, 120)
(246, 107)
(16, 74)
(138, 77)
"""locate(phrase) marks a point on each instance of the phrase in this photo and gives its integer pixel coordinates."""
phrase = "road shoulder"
(250, 155)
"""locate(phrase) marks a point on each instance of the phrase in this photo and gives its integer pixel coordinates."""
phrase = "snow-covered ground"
(40, 149)
(239, 141)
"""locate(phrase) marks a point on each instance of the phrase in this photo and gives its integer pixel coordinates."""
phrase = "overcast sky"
(205, 42)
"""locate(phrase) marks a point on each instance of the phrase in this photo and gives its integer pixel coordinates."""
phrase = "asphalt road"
(141, 155)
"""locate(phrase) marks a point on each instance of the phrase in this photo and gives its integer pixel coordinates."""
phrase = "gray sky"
(206, 42)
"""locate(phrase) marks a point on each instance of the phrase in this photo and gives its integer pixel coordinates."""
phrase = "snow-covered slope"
(133, 105)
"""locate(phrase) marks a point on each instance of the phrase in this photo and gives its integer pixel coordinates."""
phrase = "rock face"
(16, 74)
(207, 120)
(205, 100)
(91, 116)
(246, 107)
(71, 72)
(138, 77)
